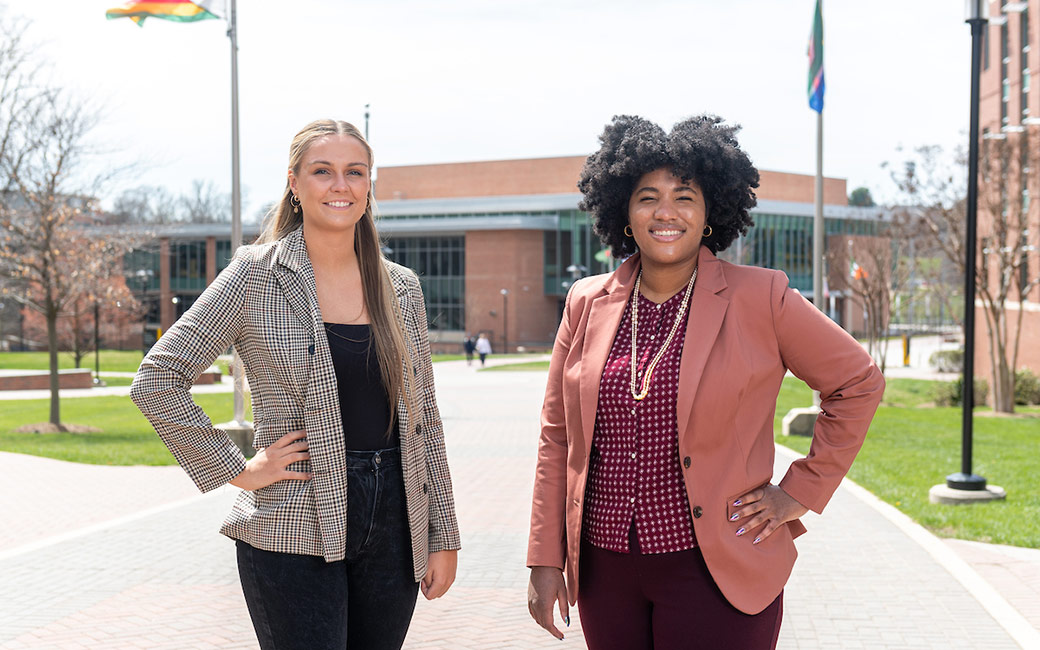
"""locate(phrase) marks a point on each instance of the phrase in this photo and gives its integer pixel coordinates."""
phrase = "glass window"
(440, 263)
(188, 265)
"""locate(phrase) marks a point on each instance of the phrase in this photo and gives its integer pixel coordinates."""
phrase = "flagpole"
(818, 230)
(818, 225)
(239, 419)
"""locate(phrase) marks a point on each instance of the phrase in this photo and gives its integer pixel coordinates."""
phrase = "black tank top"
(363, 402)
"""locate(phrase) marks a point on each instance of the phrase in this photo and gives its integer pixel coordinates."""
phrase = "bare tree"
(97, 314)
(205, 204)
(933, 186)
(144, 204)
(47, 257)
(871, 269)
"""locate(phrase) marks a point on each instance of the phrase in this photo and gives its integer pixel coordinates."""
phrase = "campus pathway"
(157, 575)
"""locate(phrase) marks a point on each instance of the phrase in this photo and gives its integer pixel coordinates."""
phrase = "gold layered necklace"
(644, 386)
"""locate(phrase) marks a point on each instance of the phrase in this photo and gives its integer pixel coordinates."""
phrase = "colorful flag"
(816, 62)
(857, 272)
(176, 10)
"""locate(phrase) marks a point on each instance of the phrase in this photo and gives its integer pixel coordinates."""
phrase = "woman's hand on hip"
(546, 588)
(768, 505)
(440, 573)
(269, 464)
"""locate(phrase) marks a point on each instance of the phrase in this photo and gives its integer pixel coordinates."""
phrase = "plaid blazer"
(266, 305)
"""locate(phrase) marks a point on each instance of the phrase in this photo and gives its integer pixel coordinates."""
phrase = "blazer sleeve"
(161, 388)
(851, 386)
(547, 544)
(444, 527)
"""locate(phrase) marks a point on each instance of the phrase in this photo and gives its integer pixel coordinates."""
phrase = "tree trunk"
(77, 350)
(52, 349)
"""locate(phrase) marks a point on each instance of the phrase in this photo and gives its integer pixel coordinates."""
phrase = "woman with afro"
(654, 492)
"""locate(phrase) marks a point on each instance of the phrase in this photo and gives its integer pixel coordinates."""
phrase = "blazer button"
(686, 462)
(418, 429)
(310, 348)
(697, 512)
(426, 488)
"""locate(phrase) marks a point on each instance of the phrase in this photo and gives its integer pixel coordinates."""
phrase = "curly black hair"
(701, 149)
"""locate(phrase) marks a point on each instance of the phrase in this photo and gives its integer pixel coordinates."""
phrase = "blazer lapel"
(291, 265)
(707, 311)
(600, 329)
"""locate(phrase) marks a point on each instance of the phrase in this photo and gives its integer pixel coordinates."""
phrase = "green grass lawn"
(111, 380)
(126, 438)
(909, 449)
(111, 361)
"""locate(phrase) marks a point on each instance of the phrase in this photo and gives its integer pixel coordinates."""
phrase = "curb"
(998, 607)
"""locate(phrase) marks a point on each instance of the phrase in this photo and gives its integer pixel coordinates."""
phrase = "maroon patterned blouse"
(634, 470)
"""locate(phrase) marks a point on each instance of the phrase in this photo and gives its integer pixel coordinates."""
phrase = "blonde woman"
(347, 507)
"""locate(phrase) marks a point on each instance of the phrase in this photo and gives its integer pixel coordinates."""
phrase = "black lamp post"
(97, 344)
(505, 320)
(965, 479)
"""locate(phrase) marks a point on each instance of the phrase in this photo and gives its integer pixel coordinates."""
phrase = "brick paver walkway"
(166, 579)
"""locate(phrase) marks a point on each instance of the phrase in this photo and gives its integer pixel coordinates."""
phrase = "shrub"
(948, 393)
(947, 360)
(1027, 387)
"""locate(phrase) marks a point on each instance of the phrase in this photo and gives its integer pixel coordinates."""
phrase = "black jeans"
(302, 602)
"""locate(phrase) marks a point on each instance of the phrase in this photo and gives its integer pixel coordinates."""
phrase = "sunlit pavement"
(110, 557)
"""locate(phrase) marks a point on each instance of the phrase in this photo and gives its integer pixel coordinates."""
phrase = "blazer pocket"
(732, 509)
(269, 431)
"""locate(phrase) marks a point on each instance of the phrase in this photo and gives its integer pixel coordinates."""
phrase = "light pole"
(97, 343)
(965, 479)
(965, 486)
(505, 320)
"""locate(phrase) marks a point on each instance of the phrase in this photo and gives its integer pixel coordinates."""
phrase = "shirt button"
(686, 462)
(697, 512)
(631, 499)
(633, 411)
(633, 455)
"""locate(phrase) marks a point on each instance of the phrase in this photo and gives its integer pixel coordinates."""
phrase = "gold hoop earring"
(294, 201)
(628, 231)
(707, 231)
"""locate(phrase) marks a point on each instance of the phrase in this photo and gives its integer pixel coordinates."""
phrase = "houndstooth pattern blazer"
(265, 304)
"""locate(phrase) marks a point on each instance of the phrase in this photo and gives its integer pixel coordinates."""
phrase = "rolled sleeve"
(851, 386)
(162, 387)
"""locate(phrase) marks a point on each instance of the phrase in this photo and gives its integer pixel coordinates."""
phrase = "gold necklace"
(644, 387)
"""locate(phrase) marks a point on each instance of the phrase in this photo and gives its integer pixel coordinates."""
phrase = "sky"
(466, 80)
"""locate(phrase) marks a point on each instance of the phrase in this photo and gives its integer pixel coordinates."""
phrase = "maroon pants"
(664, 601)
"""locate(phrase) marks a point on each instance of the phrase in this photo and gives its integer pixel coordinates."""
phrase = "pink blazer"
(746, 329)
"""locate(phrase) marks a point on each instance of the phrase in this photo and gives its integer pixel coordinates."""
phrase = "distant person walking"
(347, 505)
(469, 345)
(483, 348)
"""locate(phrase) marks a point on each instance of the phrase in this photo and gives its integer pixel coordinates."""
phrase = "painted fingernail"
(738, 503)
(741, 532)
(757, 540)
(735, 516)
(567, 620)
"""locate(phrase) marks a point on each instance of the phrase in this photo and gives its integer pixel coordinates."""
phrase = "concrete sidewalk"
(109, 557)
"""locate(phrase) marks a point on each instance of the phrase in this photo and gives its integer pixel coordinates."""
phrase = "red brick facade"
(1020, 126)
(556, 176)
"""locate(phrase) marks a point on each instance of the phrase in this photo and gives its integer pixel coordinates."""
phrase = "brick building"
(497, 244)
(1009, 120)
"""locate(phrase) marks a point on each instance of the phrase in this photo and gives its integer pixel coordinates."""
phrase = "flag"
(857, 272)
(176, 10)
(816, 62)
